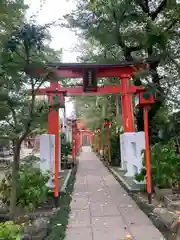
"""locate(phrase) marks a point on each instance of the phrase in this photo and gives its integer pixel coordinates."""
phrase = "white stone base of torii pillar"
(47, 156)
(131, 145)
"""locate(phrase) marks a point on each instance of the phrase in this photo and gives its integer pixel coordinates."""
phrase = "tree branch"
(159, 9)
(127, 50)
(171, 24)
(10, 124)
(144, 5)
(19, 55)
(145, 8)
(41, 82)
(14, 116)
(119, 39)
(28, 124)
(147, 5)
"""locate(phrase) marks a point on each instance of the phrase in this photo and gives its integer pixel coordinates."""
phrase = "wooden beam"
(113, 89)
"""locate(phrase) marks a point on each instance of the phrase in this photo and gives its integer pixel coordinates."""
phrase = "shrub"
(66, 147)
(9, 230)
(30, 161)
(165, 164)
(115, 150)
(31, 190)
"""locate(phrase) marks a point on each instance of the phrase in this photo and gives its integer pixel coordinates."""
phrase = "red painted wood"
(53, 128)
(127, 110)
(74, 126)
(77, 71)
(147, 153)
(109, 144)
(113, 89)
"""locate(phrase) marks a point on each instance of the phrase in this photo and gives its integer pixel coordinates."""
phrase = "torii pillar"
(132, 143)
(53, 128)
(127, 109)
(74, 141)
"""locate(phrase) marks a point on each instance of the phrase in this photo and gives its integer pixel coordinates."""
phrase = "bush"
(9, 230)
(31, 190)
(115, 150)
(30, 161)
(66, 148)
(165, 165)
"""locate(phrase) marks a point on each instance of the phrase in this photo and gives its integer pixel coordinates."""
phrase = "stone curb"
(144, 206)
(126, 185)
(120, 179)
(63, 188)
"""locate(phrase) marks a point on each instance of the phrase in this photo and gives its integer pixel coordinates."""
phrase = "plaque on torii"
(89, 80)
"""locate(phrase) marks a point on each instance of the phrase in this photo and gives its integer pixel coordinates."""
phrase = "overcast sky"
(51, 11)
(63, 38)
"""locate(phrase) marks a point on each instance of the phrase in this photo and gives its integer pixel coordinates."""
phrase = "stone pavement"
(101, 209)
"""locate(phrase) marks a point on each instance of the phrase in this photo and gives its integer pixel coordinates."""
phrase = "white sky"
(51, 11)
(63, 38)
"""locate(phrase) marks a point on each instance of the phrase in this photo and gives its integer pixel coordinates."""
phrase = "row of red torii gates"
(90, 72)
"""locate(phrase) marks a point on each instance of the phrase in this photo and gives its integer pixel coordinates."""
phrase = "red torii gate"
(123, 70)
(79, 134)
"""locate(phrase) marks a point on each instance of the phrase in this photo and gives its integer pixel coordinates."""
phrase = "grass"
(57, 226)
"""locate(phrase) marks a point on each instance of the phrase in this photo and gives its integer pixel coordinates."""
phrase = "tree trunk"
(15, 169)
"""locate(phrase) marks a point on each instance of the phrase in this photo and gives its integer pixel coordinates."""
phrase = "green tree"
(11, 16)
(25, 48)
(132, 31)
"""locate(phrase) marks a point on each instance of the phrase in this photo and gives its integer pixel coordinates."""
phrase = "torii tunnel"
(90, 73)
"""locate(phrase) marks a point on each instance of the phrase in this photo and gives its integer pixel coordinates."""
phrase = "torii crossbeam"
(76, 91)
(75, 70)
